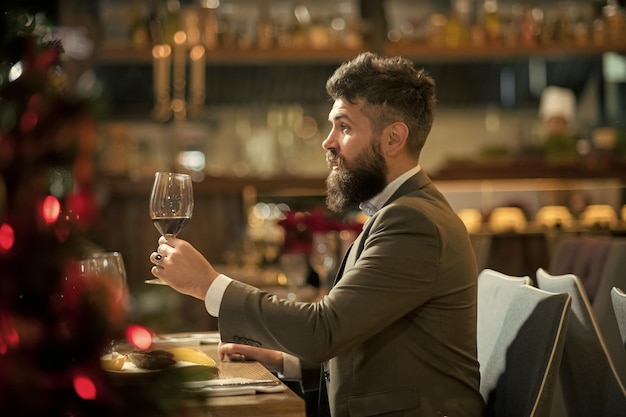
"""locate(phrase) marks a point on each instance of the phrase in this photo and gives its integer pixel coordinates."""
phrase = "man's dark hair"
(392, 90)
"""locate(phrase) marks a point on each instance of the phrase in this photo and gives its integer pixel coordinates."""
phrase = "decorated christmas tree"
(54, 323)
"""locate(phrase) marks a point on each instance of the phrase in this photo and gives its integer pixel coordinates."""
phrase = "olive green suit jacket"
(398, 329)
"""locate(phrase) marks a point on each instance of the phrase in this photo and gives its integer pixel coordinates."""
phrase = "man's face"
(358, 168)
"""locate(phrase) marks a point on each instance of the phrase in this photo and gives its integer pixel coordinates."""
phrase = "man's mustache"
(333, 159)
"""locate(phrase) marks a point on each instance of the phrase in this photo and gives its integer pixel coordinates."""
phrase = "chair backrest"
(590, 384)
(613, 275)
(618, 298)
(521, 330)
(584, 256)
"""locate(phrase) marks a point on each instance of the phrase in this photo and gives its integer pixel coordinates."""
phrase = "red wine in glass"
(170, 225)
(171, 204)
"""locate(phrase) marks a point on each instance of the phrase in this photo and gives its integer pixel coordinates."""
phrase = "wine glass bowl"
(111, 266)
(323, 256)
(294, 267)
(171, 205)
(171, 202)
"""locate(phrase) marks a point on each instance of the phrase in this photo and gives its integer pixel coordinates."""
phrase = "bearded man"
(396, 333)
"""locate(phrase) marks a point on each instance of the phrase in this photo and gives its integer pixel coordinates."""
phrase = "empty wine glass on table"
(110, 265)
(294, 267)
(323, 256)
(171, 205)
(108, 271)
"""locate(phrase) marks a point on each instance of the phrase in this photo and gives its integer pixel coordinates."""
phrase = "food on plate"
(113, 361)
(194, 372)
(182, 363)
(184, 354)
(152, 359)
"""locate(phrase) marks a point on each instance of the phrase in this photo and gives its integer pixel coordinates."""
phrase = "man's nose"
(329, 142)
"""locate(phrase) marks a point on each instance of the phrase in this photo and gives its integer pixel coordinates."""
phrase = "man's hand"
(179, 264)
(271, 359)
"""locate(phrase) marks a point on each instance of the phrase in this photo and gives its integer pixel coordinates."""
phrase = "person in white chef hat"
(557, 109)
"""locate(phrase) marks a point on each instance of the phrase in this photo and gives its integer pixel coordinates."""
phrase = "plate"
(182, 371)
(164, 341)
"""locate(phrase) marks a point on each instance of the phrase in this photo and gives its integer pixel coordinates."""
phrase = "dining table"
(285, 403)
(240, 388)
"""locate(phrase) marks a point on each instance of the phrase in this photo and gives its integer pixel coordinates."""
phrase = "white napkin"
(233, 386)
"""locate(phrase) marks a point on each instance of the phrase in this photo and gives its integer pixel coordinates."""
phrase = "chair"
(618, 297)
(521, 331)
(613, 275)
(584, 256)
(588, 379)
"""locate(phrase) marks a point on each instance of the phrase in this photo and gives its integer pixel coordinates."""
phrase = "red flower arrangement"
(299, 227)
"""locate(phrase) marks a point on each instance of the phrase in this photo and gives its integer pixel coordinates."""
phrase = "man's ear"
(395, 138)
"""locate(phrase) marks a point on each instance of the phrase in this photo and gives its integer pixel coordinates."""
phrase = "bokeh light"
(16, 71)
(29, 120)
(139, 336)
(7, 237)
(8, 334)
(84, 387)
(51, 209)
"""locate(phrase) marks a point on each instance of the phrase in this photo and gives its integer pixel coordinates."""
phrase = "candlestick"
(180, 65)
(162, 61)
(197, 79)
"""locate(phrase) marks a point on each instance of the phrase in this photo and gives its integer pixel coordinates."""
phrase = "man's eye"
(344, 128)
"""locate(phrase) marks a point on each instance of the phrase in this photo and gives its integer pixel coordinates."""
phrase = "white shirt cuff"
(213, 298)
(291, 367)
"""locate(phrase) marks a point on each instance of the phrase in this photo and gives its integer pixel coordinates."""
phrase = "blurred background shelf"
(422, 53)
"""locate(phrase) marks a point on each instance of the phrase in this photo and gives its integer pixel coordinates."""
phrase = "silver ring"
(157, 258)
(243, 358)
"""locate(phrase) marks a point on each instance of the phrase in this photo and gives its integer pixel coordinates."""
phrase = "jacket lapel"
(414, 183)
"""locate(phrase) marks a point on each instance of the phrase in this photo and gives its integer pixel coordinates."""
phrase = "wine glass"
(294, 267)
(323, 256)
(171, 205)
(111, 266)
(108, 269)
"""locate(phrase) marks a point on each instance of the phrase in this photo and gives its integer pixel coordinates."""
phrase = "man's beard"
(353, 183)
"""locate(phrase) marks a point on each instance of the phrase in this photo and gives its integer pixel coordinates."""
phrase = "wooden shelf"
(292, 186)
(510, 168)
(505, 168)
(129, 55)
(497, 52)
(118, 55)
